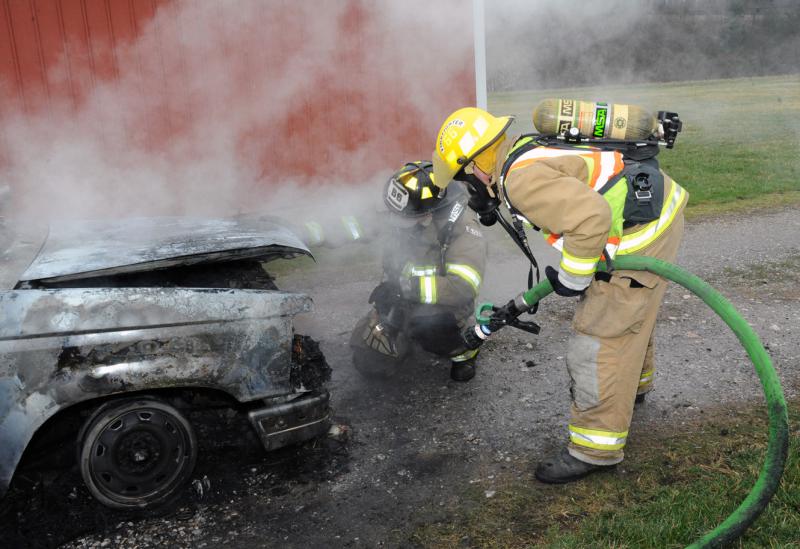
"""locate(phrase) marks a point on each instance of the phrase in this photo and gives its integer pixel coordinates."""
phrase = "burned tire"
(136, 453)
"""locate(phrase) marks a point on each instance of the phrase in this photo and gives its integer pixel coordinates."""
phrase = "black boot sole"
(573, 478)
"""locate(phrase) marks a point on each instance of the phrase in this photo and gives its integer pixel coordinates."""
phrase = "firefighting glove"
(379, 336)
(558, 287)
(385, 295)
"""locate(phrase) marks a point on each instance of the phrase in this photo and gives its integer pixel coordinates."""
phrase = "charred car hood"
(74, 251)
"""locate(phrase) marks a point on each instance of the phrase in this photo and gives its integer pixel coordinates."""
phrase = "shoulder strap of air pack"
(445, 234)
(523, 144)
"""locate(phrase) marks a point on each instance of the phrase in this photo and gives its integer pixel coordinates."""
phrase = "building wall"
(333, 88)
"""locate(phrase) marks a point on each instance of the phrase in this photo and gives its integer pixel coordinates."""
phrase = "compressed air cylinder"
(593, 119)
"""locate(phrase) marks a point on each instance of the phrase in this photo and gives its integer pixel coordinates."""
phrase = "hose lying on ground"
(778, 446)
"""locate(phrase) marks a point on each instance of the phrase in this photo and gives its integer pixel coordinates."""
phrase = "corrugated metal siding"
(55, 53)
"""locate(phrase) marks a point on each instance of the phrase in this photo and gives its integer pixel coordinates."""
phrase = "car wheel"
(136, 453)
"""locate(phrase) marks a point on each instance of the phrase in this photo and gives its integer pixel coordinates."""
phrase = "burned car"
(128, 321)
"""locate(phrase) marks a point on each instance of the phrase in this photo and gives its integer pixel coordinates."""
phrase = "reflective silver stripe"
(605, 171)
(467, 273)
(558, 244)
(544, 152)
(578, 265)
(636, 241)
(608, 161)
(599, 440)
(573, 282)
(427, 289)
(351, 224)
(421, 270)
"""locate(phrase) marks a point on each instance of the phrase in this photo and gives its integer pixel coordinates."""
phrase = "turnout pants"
(610, 354)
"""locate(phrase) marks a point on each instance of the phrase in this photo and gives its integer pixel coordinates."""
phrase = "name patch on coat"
(474, 232)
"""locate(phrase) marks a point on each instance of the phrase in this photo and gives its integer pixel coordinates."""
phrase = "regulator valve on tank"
(669, 125)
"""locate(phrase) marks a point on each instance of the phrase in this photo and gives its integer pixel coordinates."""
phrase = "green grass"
(675, 485)
(740, 146)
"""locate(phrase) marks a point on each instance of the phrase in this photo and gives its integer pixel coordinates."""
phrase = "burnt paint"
(61, 347)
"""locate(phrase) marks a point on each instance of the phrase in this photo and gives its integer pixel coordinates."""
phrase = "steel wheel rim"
(139, 453)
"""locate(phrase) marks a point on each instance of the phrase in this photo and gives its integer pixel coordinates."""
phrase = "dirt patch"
(776, 280)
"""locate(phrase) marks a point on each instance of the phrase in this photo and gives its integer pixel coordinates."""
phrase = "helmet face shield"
(487, 160)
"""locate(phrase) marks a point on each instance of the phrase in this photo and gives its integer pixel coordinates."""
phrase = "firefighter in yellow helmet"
(433, 269)
(587, 202)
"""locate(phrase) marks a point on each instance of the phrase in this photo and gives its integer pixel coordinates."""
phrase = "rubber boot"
(463, 369)
(640, 398)
(563, 468)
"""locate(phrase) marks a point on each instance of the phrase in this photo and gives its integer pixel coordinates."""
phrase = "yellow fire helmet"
(464, 135)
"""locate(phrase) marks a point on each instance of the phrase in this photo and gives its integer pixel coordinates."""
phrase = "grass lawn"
(740, 144)
(673, 487)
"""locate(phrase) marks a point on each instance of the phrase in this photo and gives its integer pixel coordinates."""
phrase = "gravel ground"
(408, 447)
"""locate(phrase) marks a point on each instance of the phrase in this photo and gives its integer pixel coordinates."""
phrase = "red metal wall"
(66, 61)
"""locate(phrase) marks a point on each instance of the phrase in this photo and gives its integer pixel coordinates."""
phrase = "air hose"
(491, 318)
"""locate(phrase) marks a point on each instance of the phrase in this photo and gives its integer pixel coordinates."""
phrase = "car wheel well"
(62, 428)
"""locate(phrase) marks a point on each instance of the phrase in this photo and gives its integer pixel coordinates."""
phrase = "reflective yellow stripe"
(351, 224)
(581, 266)
(646, 377)
(467, 273)
(596, 439)
(427, 289)
(634, 242)
(466, 355)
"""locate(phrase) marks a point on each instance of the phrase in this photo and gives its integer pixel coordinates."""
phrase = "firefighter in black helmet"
(433, 268)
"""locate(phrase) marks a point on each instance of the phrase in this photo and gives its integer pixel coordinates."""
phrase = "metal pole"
(479, 33)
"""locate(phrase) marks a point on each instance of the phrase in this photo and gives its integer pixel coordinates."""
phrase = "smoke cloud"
(216, 108)
(538, 44)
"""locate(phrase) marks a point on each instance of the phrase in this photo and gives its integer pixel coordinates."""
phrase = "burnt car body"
(98, 311)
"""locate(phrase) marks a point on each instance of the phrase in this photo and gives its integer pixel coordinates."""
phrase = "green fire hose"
(778, 446)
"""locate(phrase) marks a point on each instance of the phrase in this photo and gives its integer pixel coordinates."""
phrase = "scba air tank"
(593, 119)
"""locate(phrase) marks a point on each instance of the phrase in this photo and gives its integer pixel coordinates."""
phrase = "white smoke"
(201, 113)
(537, 44)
